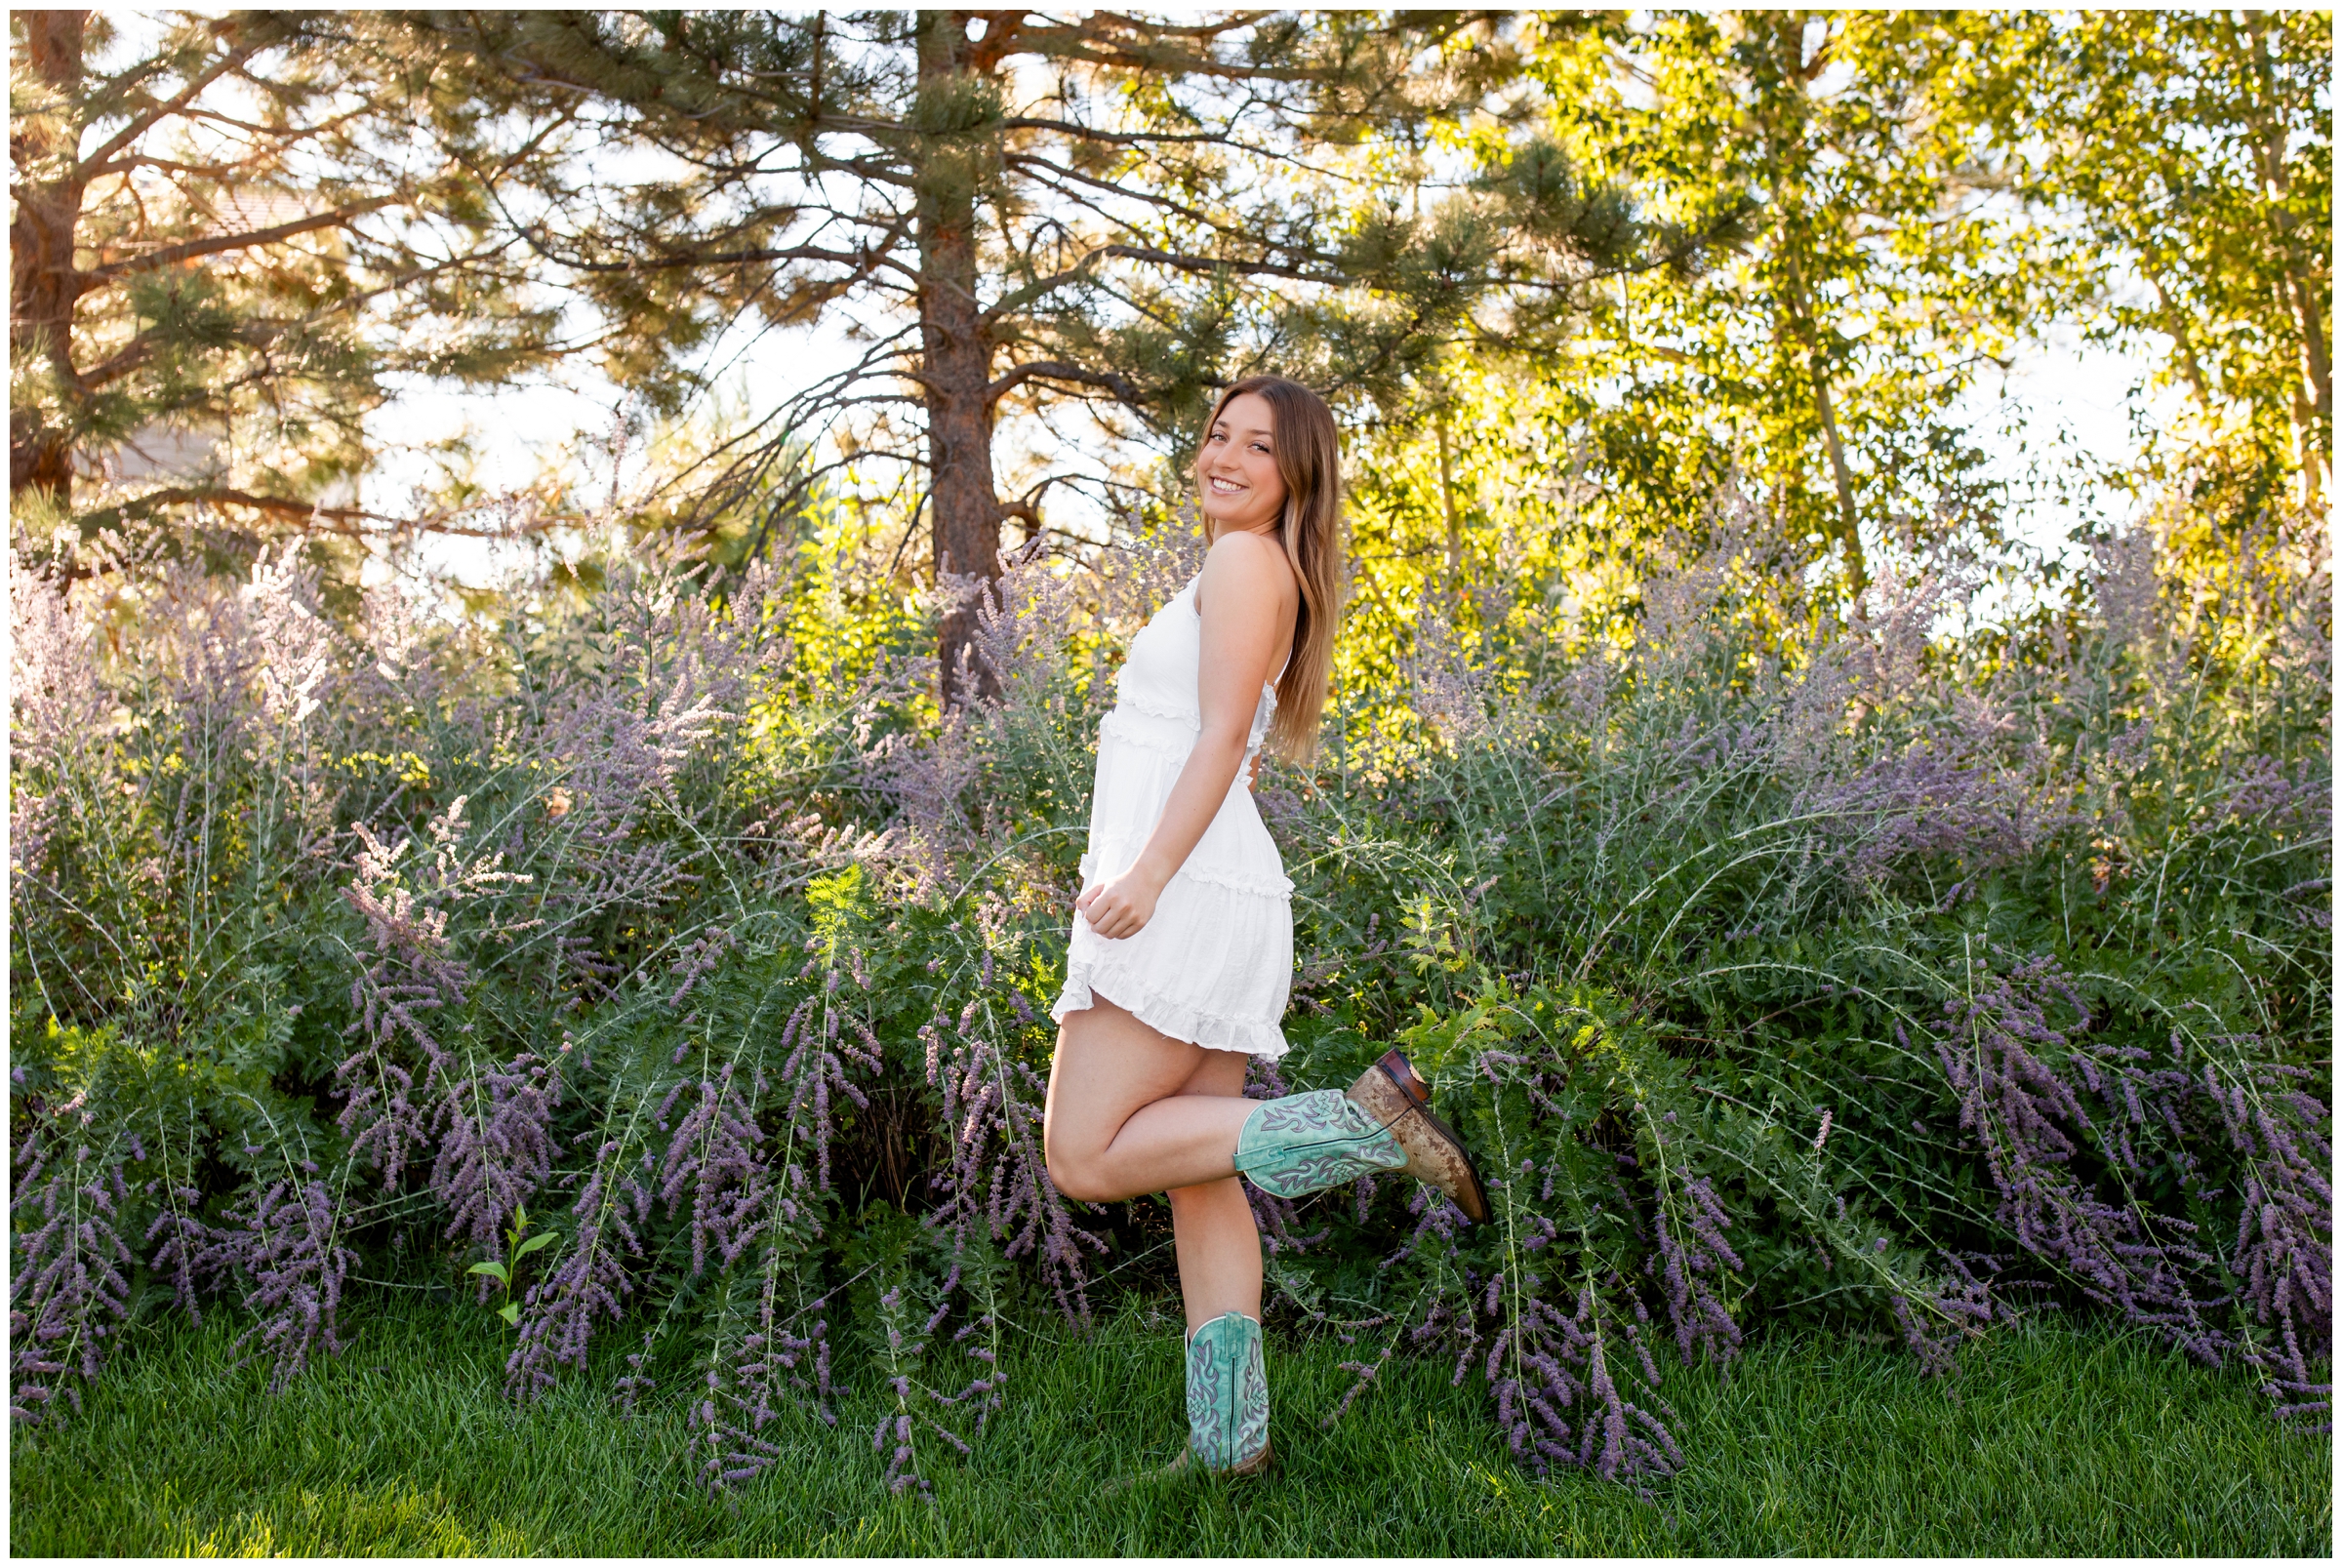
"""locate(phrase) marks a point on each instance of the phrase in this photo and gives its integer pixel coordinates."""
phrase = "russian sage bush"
(660, 959)
(1883, 982)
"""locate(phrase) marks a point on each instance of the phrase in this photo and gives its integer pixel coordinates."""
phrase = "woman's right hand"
(1120, 908)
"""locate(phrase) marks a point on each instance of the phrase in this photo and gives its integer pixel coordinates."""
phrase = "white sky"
(2066, 402)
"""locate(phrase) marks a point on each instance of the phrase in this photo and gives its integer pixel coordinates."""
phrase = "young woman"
(1182, 948)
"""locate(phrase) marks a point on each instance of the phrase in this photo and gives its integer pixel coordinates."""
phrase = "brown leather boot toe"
(1393, 1094)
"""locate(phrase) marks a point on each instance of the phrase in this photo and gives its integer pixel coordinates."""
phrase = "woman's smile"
(1237, 472)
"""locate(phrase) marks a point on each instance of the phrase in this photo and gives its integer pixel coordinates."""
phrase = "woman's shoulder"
(1257, 560)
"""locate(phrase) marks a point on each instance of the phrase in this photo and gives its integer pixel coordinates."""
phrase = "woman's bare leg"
(1217, 1242)
(1118, 1123)
(1133, 1112)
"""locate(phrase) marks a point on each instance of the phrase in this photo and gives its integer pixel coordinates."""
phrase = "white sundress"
(1215, 964)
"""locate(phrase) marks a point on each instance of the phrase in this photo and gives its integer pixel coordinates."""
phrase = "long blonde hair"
(1309, 458)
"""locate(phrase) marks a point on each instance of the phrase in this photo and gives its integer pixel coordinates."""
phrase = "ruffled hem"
(1182, 1020)
(1281, 890)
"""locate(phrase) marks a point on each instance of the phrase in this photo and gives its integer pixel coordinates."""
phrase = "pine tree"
(1087, 211)
(228, 238)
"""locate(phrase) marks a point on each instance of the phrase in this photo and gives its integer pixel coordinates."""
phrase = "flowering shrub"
(1779, 970)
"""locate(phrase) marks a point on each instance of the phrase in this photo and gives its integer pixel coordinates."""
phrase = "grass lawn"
(2050, 1441)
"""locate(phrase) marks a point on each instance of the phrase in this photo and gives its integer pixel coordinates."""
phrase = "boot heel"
(1401, 1072)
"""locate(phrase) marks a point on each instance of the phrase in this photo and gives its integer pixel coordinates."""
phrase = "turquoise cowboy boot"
(1307, 1143)
(1228, 1397)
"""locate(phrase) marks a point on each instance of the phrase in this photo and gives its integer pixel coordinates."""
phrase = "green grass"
(2050, 1441)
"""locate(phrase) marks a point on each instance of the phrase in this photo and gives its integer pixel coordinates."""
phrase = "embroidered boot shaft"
(1307, 1143)
(1227, 1397)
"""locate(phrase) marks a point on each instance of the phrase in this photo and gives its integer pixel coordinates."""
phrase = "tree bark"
(1801, 311)
(1448, 507)
(958, 350)
(2175, 326)
(1858, 569)
(2297, 296)
(1788, 35)
(43, 284)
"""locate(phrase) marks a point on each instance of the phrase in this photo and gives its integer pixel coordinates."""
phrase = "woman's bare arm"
(1248, 599)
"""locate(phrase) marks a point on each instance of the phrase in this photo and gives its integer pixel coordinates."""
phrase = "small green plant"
(518, 1244)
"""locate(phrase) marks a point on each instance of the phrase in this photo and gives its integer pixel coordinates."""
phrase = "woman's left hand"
(1120, 908)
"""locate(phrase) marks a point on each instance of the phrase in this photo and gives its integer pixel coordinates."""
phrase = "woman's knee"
(1077, 1172)
(1084, 1182)
(1075, 1184)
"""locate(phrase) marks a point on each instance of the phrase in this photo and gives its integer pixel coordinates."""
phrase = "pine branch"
(261, 336)
(215, 244)
(1134, 138)
(347, 521)
(1057, 370)
(96, 163)
(1201, 266)
(156, 501)
(1137, 47)
(860, 259)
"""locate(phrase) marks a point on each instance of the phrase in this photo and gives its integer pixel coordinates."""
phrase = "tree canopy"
(1774, 249)
(230, 244)
(2191, 155)
(1085, 216)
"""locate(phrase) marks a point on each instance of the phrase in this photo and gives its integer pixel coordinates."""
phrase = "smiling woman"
(1180, 957)
(654, 953)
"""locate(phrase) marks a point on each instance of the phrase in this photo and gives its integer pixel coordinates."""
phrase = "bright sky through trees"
(1894, 277)
(2071, 406)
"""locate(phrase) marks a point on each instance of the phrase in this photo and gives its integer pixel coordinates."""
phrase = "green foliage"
(515, 1249)
(2193, 154)
(672, 961)
(1894, 206)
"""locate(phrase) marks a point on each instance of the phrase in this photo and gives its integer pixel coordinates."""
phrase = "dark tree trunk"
(958, 357)
(43, 285)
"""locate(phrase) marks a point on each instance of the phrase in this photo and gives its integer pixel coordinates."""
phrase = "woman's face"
(1237, 472)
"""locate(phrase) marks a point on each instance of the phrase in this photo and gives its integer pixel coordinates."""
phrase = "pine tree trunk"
(959, 358)
(43, 285)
